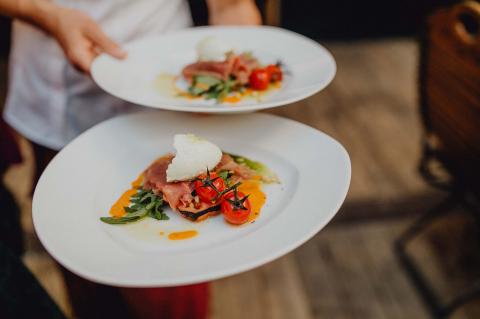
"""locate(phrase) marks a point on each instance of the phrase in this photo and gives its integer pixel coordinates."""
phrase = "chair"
(450, 111)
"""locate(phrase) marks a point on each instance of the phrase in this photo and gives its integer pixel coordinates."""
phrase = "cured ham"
(238, 66)
(227, 163)
(219, 70)
(155, 179)
(243, 66)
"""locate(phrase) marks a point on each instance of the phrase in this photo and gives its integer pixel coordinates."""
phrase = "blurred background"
(405, 103)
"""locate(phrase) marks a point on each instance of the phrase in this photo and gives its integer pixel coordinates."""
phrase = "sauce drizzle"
(257, 197)
(117, 209)
(182, 235)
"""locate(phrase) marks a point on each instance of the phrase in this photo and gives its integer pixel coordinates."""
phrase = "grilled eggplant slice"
(195, 216)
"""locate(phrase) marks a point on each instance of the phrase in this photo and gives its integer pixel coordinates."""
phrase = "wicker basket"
(450, 89)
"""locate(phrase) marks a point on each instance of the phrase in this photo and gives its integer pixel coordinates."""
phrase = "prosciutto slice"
(219, 70)
(155, 179)
(242, 171)
(238, 66)
(243, 66)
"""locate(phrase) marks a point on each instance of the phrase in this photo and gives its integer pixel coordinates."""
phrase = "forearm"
(233, 12)
(37, 12)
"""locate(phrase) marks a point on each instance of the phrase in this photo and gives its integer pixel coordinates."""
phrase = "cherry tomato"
(259, 79)
(236, 208)
(208, 187)
(276, 73)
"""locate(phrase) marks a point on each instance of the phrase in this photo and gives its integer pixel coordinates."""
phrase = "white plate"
(88, 175)
(310, 67)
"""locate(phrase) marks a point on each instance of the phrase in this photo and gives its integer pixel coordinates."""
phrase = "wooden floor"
(348, 270)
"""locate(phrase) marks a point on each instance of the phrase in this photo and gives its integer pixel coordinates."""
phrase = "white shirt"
(48, 101)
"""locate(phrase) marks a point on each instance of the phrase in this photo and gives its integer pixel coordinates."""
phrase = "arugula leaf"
(158, 215)
(119, 221)
(207, 80)
(211, 87)
(157, 212)
(143, 203)
(225, 175)
(202, 84)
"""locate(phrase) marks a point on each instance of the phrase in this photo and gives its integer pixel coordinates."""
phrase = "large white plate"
(88, 175)
(310, 67)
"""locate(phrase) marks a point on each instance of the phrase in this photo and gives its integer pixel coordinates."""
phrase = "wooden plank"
(350, 272)
(393, 290)
(271, 291)
(238, 297)
(286, 289)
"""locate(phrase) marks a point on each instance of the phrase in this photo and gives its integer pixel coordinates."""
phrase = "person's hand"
(233, 12)
(81, 38)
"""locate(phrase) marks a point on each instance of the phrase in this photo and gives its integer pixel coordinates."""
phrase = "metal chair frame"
(458, 198)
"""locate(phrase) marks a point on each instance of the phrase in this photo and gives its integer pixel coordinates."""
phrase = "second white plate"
(309, 67)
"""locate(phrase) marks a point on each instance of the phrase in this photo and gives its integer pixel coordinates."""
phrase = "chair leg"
(462, 299)
(416, 276)
(423, 221)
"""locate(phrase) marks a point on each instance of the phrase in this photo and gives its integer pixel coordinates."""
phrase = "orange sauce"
(257, 197)
(248, 91)
(117, 209)
(138, 182)
(232, 99)
(182, 235)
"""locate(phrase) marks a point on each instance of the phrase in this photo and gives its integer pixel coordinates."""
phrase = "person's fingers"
(81, 58)
(107, 45)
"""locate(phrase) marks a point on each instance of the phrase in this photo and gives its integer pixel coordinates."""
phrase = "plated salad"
(222, 74)
(197, 182)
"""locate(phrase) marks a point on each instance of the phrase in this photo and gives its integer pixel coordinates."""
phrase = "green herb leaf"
(211, 87)
(202, 84)
(225, 175)
(158, 215)
(157, 211)
(130, 209)
(143, 203)
(119, 221)
(208, 80)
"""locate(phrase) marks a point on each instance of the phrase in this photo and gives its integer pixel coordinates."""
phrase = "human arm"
(80, 37)
(233, 12)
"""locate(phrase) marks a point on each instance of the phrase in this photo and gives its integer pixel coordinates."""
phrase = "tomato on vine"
(209, 187)
(236, 207)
